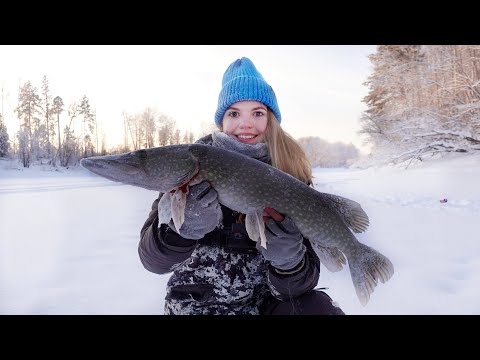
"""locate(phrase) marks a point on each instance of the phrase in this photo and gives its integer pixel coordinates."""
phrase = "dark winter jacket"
(223, 273)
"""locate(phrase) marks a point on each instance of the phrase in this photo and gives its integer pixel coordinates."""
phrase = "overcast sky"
(319, 87)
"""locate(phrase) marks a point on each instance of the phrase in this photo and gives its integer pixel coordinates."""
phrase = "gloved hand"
(285, 248)
(202, 212)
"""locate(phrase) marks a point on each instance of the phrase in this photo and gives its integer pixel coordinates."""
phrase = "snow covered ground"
(68, 240)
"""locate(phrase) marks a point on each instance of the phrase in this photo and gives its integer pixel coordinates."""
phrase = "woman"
(216, 268)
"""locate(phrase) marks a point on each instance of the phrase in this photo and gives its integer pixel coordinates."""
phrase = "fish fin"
(261, 228)
(179, 201)
(350, 211)
(251, 227)
(331, 257)
(195, 181)
(165, 208)
(256, 227)
(368, 267)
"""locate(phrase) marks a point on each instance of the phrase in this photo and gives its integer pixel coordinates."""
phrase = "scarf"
(220, 139)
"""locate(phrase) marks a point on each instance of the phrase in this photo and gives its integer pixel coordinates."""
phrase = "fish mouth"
(86, 163)
(93, 166)
(101, 165)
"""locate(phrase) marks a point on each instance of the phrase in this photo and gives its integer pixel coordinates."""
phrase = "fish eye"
(141, 154)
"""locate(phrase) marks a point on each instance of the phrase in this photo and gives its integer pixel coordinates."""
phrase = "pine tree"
(28, 112)
(4, 141)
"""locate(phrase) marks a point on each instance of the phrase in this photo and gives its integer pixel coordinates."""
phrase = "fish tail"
(367, 267)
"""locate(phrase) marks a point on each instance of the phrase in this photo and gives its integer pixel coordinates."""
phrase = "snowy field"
(68, 240)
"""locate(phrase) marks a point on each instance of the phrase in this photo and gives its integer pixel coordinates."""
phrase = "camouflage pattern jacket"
(222, 273)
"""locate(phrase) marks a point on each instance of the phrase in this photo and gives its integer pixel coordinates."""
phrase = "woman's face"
(246, 121)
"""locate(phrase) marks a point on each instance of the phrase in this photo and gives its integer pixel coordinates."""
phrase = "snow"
(68, 240)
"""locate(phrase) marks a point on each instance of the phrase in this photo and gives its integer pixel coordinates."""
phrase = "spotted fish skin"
(248, 186)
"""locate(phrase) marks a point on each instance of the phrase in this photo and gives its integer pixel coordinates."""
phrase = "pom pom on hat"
(242, 81)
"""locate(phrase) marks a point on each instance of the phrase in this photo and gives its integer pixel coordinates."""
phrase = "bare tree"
(57, 109)
(135, 129)
(188, 137)
(47, 111)
(423, 100)
(126, 130)
(166, 128)
(104, 146)
(70, 148)
(24, 147)
(176, 136)
(148, 118)
(96, 130)
(324, 154)
(88, 122)
(185, 137)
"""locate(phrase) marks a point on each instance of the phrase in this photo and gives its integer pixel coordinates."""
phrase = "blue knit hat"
(242, 81)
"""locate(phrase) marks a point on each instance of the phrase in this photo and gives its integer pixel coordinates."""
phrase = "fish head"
(162, 168)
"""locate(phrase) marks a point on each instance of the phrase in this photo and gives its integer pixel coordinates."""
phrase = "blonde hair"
(285, 152)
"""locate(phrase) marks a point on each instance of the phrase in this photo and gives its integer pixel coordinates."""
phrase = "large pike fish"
(248, 186)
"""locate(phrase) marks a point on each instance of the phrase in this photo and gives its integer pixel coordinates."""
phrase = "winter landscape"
(394, 127)
(69, 240)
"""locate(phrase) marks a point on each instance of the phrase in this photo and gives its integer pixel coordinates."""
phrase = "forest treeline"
(59, 134)
(422, 100)
(42, 117)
